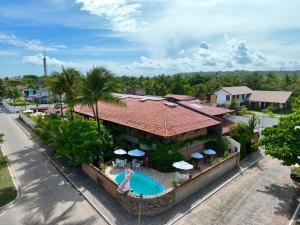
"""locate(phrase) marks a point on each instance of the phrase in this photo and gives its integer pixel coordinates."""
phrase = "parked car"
(295, 174)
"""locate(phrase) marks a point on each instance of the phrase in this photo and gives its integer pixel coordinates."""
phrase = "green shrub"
(174, 182)
(19, 103)
(226, 154)
(3, 161)
(163, 157)
(77, 140)
(214, 160)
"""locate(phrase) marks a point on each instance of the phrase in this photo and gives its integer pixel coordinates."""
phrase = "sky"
(149, 37)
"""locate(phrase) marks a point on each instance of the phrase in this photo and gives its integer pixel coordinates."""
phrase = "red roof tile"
(227, 124)
(153, 116)
(209, 110)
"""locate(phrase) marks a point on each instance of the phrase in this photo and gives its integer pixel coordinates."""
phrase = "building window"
(243, 96)
(238, 96)
(228, 98)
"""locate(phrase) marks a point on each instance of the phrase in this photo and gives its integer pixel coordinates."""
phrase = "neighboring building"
(42, 95)
(156, 120)
(173, 97)
(136, 91)
(269, 98)
(254, 98)
(27, 92)
(226, 94)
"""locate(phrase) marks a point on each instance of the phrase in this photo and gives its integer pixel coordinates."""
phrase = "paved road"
(46, 196)
(263, 195)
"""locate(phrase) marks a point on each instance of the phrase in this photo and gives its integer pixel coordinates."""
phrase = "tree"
(98, 85)
(2, 88)
(296, 104)
(70, 79)
(14, 94)
(282, 141)
(56, 88)
(243, 133)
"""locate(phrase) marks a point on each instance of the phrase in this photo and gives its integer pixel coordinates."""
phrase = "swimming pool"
(142, 184)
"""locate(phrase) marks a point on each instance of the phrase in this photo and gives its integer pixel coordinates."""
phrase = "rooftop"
(151, 114)
(180, 97)
(270, 96)
(209, 110)
(237, 90)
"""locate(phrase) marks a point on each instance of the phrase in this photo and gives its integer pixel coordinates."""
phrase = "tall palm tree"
(99, 84)
(14, 94)
(55, 86)
(70, 79)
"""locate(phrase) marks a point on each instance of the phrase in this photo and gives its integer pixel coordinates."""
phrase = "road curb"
(15, 181)
(61, 172)
(207, 196)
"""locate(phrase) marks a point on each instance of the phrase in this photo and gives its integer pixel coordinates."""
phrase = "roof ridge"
(164, 116)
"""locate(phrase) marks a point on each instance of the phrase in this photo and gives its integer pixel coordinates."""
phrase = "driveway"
(45, 197)
(263, 195)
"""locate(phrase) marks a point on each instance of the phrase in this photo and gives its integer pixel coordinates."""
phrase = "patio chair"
(114, 164)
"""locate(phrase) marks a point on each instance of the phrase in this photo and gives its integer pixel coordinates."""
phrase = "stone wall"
(201, 180)
(26, 119)
(150, 206)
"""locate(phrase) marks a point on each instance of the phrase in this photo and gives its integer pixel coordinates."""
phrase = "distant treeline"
(208, 82)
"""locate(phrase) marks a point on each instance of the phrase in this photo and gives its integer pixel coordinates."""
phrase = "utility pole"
(45, 62)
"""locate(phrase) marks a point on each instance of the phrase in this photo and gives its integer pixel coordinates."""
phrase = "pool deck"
(163, 177)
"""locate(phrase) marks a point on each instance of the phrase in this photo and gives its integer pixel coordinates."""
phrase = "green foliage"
(282, 141)
(296, 170)
(20, 103)
(163, 157)
(77, 140)
(174, 182)
(3, 161)
(243, 133)
(234, 105)
(13, 93)
(214, 160)
(244, 111)
(296, 104)
(1, 138)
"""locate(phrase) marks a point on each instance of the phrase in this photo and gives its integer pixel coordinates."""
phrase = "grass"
(296, 170)
(7, 188)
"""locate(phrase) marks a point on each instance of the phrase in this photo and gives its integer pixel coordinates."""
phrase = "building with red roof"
(154, 119)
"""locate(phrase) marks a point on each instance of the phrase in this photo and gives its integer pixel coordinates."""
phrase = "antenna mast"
(45, 62)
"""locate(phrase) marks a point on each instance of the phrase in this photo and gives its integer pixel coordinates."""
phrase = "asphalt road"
(46, 197)
(263, 195)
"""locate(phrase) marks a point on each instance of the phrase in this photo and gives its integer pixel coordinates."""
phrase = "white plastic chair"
(114, 165)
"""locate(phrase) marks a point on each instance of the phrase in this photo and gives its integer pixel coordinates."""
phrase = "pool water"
(142, 184)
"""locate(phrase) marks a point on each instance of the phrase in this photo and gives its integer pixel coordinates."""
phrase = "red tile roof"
(227, 124)
(153, 116)
(180, 97)
(209, 110)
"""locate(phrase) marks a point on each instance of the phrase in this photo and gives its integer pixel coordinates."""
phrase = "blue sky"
(149, 37)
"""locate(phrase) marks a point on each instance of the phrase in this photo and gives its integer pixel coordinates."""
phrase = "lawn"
(7, 188)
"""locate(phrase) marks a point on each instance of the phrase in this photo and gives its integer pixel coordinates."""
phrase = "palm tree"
(56, 88)
(99, 84)
(14, 94)
(70, 79)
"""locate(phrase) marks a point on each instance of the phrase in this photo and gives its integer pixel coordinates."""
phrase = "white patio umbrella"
(196, 155)
(120, 152)
(136, 152)
(209, 152)
(183, 165)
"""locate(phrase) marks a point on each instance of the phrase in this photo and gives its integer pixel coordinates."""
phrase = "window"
(228, 98)
(243, 96)
(238, 96)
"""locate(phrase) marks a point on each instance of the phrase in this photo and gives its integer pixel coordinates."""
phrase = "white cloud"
(236, 55)
(38, 60)
(33, 45)
(120, 13)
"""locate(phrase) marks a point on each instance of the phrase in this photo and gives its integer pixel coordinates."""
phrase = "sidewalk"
(111, 209)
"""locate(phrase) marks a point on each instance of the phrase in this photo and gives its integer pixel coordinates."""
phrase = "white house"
(42, 95)
(225, 94)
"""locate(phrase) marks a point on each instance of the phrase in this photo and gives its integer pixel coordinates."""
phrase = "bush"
(19, 103)
(3, 161)
(244, 111)
(163, 157)
(77, 140)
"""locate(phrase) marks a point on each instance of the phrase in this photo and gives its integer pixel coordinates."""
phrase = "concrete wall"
(221, 96)
(15, 109)
(99, 178)
(201, 180)
(236, 145)
(27, 120)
